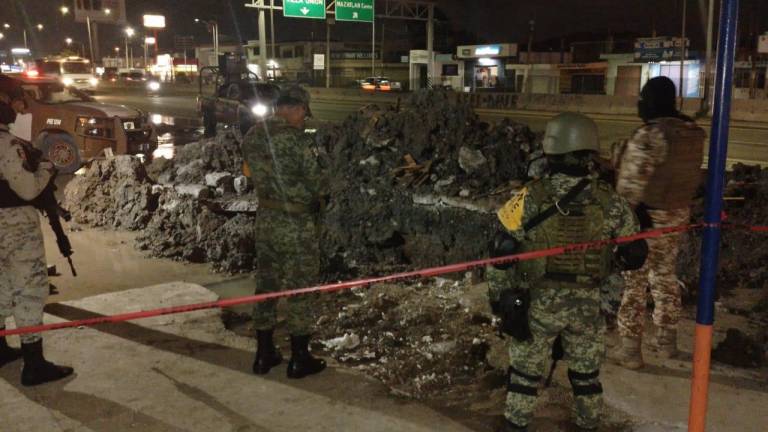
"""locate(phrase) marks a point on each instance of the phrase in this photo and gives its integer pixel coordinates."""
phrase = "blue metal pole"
(710, 251)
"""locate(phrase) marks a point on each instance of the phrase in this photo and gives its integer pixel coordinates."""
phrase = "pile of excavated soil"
(411, 187)
(414, 185)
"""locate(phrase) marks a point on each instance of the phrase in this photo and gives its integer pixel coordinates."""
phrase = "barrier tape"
(397, 277)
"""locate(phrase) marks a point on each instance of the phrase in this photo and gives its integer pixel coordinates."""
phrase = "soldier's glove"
(632, 256)
(513, 310)
(504, 245)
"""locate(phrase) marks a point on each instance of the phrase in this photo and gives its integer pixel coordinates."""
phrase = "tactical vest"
(675, 181)
(581, 221)
(8, 197)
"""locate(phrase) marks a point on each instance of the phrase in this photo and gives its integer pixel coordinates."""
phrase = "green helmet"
(570, 132)
(294, 95)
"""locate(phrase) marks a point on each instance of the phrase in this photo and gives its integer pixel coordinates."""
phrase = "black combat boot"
(267, 355)
(302, 363)
(7, 354)
(38, 370)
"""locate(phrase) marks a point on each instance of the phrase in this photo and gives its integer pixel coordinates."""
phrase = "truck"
(232, 95)
(70, 127)
(72, 71)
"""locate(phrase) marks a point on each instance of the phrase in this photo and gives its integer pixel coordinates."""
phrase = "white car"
(71, 71)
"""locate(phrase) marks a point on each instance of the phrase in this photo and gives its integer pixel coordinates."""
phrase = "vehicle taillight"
(33, 73)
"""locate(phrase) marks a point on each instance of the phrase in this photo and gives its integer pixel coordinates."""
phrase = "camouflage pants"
(660, 274)
(23, 273)
(574, 313)
(288, 256)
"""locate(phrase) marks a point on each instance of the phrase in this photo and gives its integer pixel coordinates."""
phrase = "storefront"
(485, 66)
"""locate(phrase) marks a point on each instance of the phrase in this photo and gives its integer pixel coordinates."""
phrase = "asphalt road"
(748, 141)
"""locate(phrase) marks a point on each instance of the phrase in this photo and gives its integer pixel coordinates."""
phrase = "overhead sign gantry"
(362, 11)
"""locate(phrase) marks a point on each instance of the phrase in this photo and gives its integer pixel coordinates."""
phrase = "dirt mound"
(113, 193)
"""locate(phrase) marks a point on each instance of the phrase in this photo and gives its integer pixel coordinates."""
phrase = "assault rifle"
(46, 203)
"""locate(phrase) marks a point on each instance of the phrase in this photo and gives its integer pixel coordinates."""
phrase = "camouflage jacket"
(27, 185)
(620, 221)
(284, 163)
(657, 172)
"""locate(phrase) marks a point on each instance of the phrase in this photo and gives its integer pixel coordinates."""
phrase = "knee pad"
(585, 384)
(528, 390)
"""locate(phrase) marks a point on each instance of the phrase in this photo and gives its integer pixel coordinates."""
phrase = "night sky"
(478, 21)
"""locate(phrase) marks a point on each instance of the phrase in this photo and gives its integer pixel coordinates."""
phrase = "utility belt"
(573, 278)
(289, 207)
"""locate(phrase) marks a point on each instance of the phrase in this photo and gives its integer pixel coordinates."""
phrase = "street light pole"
(682, 55)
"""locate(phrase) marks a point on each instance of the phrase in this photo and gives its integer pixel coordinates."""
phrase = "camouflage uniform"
(24, 278)
(569, 309)
(642, 159)
(290, 183)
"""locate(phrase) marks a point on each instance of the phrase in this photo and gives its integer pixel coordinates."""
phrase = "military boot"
(38, 370)
(267, 355)
(629, 354)
(666, 342)
(7, 354)
(302, 363)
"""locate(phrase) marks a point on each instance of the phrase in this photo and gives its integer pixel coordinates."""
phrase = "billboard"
(658, 49)
(154, 21)
(100, 11)
(762, 44)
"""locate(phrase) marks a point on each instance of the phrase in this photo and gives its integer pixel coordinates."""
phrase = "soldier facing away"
(23, 272)
(568, 205)
(290, 185)
(659, 174)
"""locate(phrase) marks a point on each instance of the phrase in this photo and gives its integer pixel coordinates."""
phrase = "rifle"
(46, 203)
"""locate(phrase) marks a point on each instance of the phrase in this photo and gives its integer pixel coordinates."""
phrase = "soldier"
(659, 174)
(23, 278)
(290, 185)
(568, 205)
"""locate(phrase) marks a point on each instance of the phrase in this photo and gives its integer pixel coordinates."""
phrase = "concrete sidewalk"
(188, 373)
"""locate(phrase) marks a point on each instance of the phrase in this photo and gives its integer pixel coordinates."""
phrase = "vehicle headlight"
(260, 110)
(153, 85)
(67, 81)
(93, 81)
(96, 127)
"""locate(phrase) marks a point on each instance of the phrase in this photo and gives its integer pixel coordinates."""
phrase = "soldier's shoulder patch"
(511, 214)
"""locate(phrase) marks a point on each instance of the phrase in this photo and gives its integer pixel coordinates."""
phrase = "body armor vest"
(675, 181)
(581, 221)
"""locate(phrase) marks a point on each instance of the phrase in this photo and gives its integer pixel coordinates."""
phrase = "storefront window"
(691, 80)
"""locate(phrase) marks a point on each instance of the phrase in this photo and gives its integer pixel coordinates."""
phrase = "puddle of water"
(173, 132)
(238, 287)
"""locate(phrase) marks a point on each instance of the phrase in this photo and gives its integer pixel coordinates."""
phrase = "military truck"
(70, 127)
(233, 96)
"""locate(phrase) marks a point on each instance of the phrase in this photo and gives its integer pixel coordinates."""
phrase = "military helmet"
(570, 132)
(294, 95)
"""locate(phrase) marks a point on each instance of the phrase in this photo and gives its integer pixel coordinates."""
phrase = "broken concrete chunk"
(242, 185)
(218, 179)
(196, 191)
(471, 160)
(241, 206)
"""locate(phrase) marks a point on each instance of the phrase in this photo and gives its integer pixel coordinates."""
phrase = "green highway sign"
(304, 9)
(354, 10)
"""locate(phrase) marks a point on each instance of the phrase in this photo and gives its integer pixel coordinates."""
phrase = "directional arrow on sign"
(304, 10)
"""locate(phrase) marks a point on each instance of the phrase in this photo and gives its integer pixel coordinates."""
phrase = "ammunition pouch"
(513, 310)
(504, 245)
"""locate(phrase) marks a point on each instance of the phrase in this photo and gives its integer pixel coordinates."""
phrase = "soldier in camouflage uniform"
(290, 184)
(564, 290)
(23, 272)
(659, 174)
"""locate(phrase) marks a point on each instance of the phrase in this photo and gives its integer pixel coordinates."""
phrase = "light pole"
(213, 26)
(129, 32)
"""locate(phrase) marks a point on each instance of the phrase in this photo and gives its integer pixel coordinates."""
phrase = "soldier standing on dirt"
(659, 174)
(23, 272)
(290, 185)
(562, 293)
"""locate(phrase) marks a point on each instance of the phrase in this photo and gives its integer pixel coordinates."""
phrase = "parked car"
(236, 103)
(380, 84)
(70, 127)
